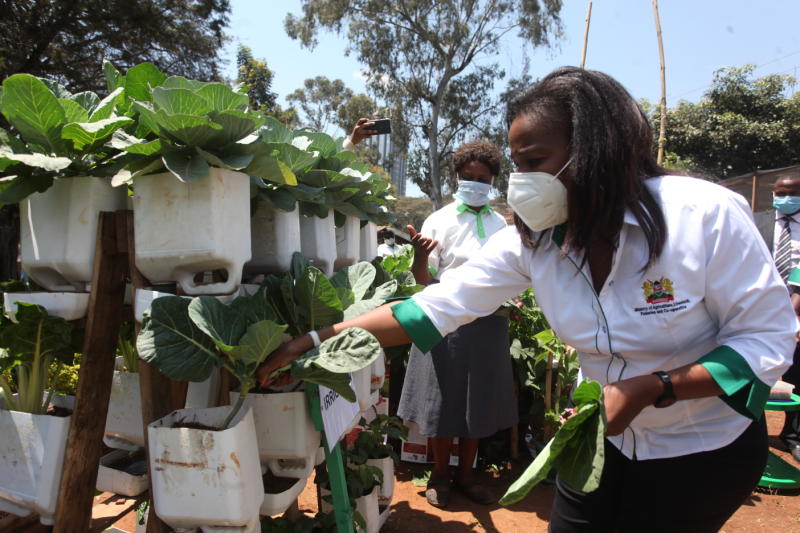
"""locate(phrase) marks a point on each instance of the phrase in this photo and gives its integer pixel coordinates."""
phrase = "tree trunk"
(433, 156)
(9, 242)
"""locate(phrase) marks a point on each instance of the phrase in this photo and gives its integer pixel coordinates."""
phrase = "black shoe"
(795, 451)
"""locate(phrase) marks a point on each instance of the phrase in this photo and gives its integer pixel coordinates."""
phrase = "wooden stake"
(85, 442)
(754, 193)
(662, 132)
(586, 34)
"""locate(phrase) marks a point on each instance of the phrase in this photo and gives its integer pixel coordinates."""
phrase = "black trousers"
(694, 493)
(790, 434)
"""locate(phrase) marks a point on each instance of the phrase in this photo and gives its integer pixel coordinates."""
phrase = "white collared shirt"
(458, 235)
(794, 228)
(713, 296)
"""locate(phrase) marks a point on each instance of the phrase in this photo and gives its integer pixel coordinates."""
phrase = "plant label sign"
(338, 415)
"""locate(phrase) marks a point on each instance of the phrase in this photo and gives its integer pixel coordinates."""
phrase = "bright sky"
(699, 36)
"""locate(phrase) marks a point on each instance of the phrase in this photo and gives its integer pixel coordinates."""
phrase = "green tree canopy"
(257, 77)
(741, 124)
(320, 100)
(66, 39)
(419, 54)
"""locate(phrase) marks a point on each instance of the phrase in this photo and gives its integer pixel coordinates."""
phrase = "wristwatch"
(667, 397)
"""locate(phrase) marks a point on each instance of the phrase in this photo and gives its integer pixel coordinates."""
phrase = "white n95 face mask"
(539, 198)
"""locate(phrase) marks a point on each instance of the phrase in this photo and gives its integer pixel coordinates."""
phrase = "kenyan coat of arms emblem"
(658, 291)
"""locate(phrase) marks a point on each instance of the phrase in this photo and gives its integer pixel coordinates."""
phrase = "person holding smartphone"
(364, 128)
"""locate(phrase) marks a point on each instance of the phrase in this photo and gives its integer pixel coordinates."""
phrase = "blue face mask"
(473, 192)
(786, 204)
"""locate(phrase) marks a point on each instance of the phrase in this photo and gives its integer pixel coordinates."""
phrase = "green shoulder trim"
(417, 324)
(744, 392)
(794, 277)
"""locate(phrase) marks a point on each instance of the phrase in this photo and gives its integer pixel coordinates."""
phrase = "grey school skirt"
(464, 387)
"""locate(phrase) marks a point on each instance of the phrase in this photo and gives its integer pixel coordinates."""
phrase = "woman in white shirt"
(463, 386)
(663, 285)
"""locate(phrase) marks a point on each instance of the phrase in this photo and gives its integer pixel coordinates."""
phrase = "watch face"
(664, 401)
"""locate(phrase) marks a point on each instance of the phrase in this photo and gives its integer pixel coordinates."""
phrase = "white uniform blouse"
(713, 297)
(461, 232)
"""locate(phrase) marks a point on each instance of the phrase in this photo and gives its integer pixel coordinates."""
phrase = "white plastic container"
(67, 305)
(386, 489)
(284, 428)
(366, 505)
(32, 451)
(368, 242)
(275, 236)
(318, 242)
(118, 481)
(348, 243)
(124, 428)
(294, 468)
(203, 478)
(275, 504)
(182, 229)
(58, 231)
(360, 381)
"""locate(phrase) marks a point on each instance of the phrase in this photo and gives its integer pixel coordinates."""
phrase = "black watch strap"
(667, 397)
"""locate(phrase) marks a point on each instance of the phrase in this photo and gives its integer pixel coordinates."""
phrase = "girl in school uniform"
(463, 386)
(663, 285)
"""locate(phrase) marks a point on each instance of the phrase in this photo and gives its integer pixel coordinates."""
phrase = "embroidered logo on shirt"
(658, 291)
(660, 295)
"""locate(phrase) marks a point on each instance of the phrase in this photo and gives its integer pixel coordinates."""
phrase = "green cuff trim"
(417, 324)
(794, 277)
(432, 270)
(744, 392)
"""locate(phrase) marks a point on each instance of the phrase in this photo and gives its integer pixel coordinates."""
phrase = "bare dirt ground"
(768, 511)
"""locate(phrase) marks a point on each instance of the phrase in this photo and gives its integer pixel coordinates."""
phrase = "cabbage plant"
(329, 178)
(56, 134)
(28, 349)
(186, 127)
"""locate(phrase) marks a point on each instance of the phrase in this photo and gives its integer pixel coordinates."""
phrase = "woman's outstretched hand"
(281, 357)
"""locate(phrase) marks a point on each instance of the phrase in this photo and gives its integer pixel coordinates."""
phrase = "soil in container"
(132, 463)
(382, 508)
(192, 425)
(62, 412)
(275, 484)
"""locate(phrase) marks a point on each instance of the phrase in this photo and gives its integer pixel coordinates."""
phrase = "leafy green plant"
(126, 346)
(57, 134)
(141, 512)
(188, 339)
(544, 367)
(371, 442)
(186, 127)
(360, 480)
(28, 349)
(576, 449)
(329, 177)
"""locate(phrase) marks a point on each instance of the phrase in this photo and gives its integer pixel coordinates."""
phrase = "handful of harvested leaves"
(576, 449)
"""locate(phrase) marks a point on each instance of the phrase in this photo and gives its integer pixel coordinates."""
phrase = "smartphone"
(382, 125)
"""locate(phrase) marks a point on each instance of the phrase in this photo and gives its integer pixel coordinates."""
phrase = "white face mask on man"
(389, 241)
(539, 198)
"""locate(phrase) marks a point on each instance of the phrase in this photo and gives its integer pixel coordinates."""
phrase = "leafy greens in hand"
(576, 450)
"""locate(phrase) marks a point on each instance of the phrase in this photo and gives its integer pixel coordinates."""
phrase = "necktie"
(783, 253)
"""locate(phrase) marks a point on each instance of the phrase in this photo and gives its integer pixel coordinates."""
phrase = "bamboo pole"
(754, 193)
(662, 132)
(586, 34)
